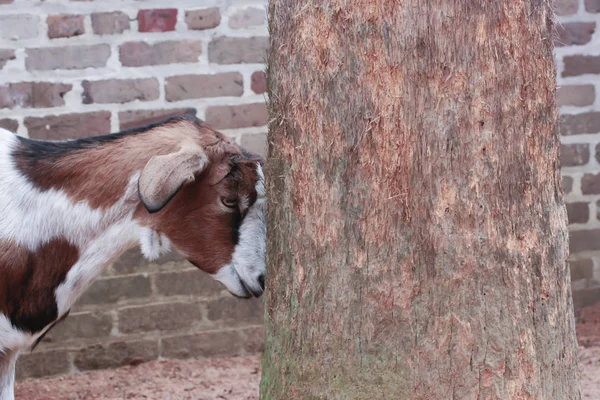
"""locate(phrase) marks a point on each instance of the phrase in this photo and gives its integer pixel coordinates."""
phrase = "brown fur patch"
(28, 280)
(98, 169)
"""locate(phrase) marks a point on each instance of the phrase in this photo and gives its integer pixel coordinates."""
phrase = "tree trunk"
(417, 233)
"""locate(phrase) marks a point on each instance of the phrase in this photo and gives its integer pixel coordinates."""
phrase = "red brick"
(189, 283)
(207, 344)
(5, 56)
(120, 90)
(565, 7)
(6, 1)
(137, 54)
(580, 65)
(157, 20)
(111, 290)
(64, 25)
(256, 143)
(576, 95)
(590, 184)
(81, 326)
(235, 50)
(42, 363)
(9, 124)
(574, 33)
(159, 317)
(247, 18)
(230, 310)
(567, 183)
(185, 87)
(68, 126)
(15, 95)
(33, 94)
(581, 269)
(240, 116)
(587, 122)
(110, 23)
(584, 240)
(137, 118)
(71, 57)
(259, 82)
(46, 94)
(574, 154)
(578, 212)
(592, 6)
(203, 19)
(116, 354)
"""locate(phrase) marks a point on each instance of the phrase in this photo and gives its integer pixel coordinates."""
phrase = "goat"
(70, 208)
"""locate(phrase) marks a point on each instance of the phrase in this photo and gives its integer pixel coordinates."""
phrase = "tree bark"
(417, 236)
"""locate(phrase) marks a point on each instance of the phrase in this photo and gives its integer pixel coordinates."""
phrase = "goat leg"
(8, 361)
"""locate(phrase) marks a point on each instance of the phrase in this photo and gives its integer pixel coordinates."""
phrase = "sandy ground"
(215, 379)
(238, 378)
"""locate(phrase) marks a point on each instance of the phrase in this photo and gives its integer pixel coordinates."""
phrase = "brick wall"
(578, 77)
(78, 68)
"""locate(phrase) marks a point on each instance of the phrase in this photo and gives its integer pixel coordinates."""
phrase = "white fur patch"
(7, 375)
(260, 184)
(100, 252)
(249, 254)
(11, 337)
(153, 244)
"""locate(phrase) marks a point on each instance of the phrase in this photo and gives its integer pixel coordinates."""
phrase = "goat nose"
(261, 280)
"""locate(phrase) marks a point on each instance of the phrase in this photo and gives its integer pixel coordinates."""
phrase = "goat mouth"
(246, 292)
(250, 292)
(246, 295)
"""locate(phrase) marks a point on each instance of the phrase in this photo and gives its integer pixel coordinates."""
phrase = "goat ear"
(221, 170)
(163, 176)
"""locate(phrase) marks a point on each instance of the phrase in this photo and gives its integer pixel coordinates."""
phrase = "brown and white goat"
(71, 208)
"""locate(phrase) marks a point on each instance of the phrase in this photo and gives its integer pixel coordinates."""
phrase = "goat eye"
(231, 203)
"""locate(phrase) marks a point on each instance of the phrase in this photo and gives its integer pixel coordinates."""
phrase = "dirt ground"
(237, 378)
(215, 379)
